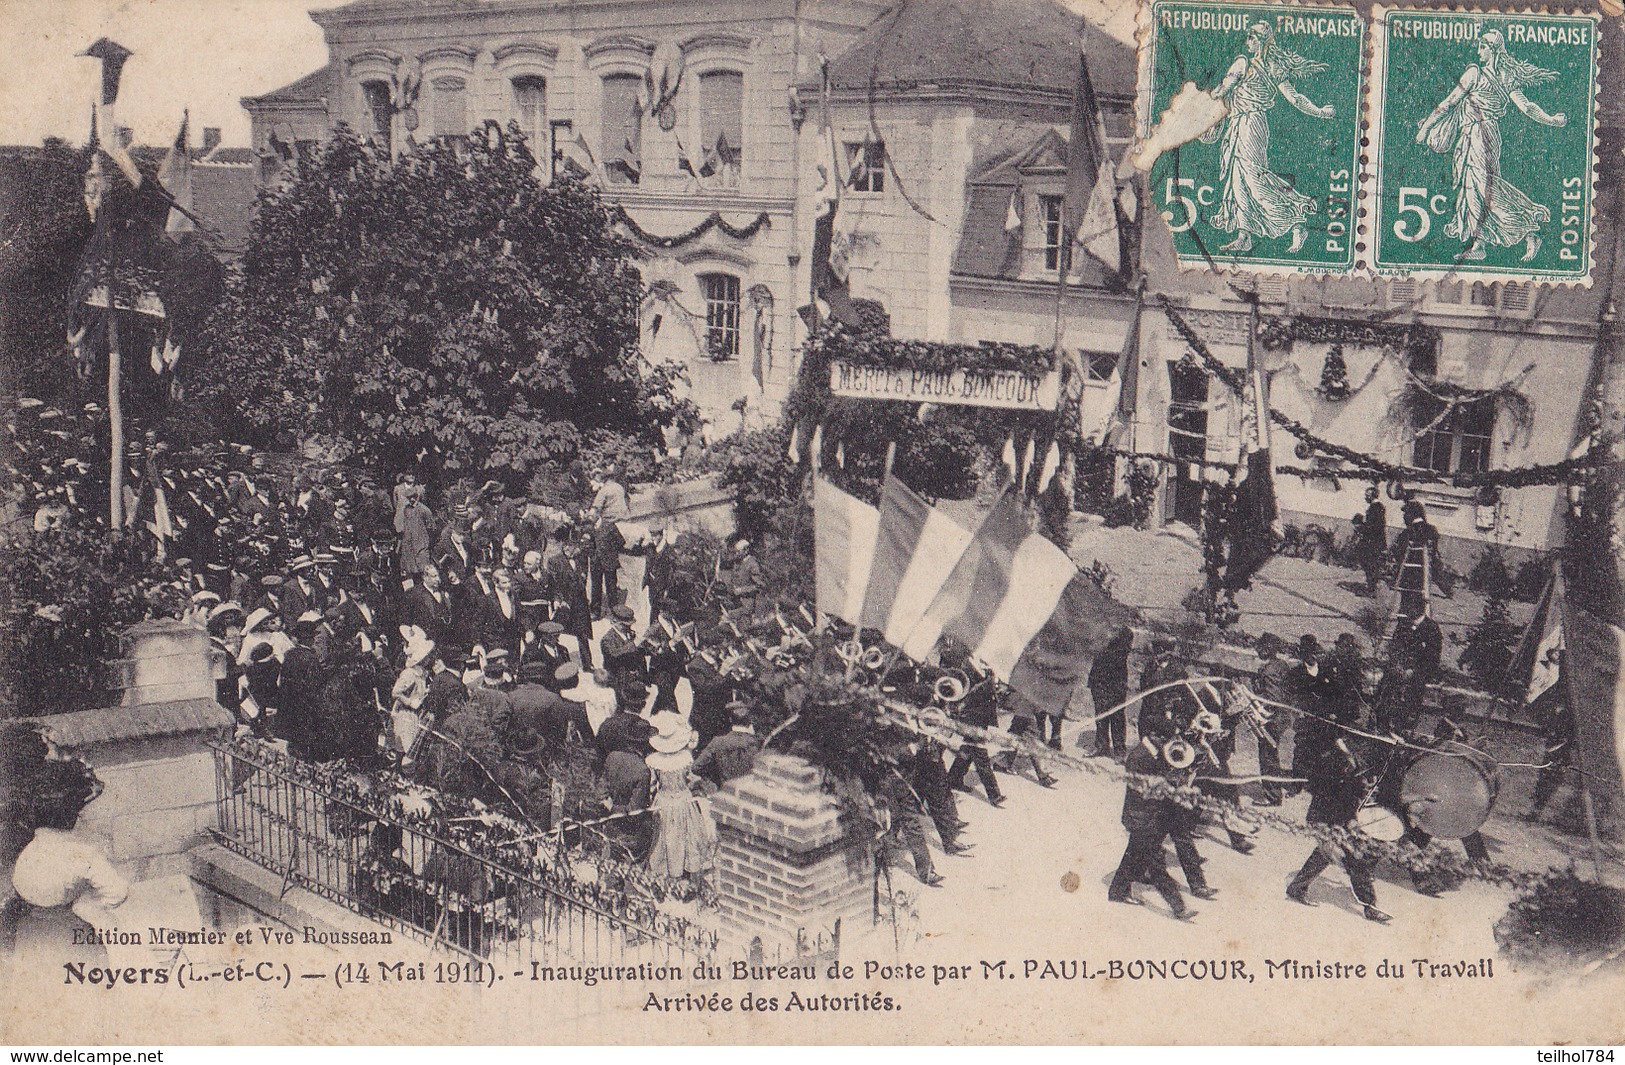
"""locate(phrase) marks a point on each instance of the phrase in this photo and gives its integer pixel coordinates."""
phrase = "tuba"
(1179, 754)
(951, 687)
(873, 658)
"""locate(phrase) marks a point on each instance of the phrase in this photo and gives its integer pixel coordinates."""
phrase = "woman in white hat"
(409, 691)
(685, 842)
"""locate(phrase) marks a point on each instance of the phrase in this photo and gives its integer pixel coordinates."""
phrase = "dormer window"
(1049, 212)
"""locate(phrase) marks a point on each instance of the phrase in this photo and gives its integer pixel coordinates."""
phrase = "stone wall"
(788, 869)
(150, 750)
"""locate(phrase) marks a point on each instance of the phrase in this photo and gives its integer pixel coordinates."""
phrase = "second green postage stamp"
(1272, 187)
(1481, 166)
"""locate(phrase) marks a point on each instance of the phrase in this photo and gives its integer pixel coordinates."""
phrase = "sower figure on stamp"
(1467, 124)
(1255, 201)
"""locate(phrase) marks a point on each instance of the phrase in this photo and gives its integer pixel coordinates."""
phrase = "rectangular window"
(1457, 440)
(621, 151)
(1098, 366)
(721, 293)
(865, 166)
(530, 111)
(722, 126)
(1049, 212)
(451, 109)
(379, 110)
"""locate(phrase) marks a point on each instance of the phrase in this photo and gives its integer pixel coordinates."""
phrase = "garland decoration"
(712, 221)
(1568, 471)
(1334, 376)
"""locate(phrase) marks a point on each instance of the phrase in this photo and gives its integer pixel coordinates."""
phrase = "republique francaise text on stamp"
(1272, 187)
(1481, 164)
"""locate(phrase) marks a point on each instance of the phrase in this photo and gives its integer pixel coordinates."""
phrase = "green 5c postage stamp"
(1482, 160)
(1271, 188)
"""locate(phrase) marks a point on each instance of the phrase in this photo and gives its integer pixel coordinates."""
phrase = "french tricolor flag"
(1021, 606)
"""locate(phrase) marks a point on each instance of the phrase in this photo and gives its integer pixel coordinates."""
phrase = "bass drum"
(1448, 793)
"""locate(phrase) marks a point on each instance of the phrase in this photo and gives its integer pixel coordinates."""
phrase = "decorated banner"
(1007, 389)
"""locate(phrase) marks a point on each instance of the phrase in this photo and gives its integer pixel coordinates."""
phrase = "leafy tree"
(444, 312)
(43, 229)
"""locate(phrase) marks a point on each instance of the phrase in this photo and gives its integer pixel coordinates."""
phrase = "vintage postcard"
(1482, 164)
(702, 522)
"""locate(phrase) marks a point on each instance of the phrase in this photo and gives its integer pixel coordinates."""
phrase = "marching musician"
(978, 708)
(1272, 682)
(1148, 819)
(1338, 787)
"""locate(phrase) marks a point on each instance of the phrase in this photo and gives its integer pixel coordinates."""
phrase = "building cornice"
(546, 53)
(688, 201)
(1035, 287)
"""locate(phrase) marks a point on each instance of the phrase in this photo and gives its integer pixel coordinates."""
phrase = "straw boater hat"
(418, 644)
(256, 619)
(671, 735)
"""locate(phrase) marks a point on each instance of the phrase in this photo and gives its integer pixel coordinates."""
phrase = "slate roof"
(307, 90)
(986, 249)
(1023, 44)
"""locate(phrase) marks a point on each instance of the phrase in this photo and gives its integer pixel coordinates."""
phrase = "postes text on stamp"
(1272, 187)
(1482, 144)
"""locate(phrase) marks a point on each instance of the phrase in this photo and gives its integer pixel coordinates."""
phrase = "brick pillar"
(787, 864)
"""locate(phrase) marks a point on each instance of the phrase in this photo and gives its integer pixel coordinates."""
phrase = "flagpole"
(115, 415)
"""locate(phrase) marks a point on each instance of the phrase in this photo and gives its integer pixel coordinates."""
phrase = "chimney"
(211, 138)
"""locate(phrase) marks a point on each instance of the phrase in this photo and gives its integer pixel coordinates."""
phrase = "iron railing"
(409, 876)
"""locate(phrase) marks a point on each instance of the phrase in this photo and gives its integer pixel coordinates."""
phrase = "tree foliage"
(43, 229)
(445, 311)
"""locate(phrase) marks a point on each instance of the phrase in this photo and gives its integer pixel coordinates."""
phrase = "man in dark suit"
(1413, 664)
(300, 591)
(299, 691)
(625, 730)
(1371, 539)
(567, 583)
(1148, 820)
(1337, 789)
(732, 754)
(428, 606)
(498, 619)
(1108, 687)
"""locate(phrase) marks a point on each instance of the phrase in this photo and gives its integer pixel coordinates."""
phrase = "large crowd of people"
(471, 644)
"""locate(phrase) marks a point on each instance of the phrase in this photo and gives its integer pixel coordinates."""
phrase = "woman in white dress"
(1254, 201)
(1467, 124)
(685, 836)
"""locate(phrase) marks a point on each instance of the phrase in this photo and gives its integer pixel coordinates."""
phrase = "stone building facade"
(956, 115)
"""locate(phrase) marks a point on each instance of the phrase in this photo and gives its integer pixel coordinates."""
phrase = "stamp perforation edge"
(1222, 264)
(1373, 106)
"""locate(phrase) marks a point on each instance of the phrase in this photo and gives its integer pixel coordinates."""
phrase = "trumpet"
(1206, 723)
(951, 687)
(1179, 754)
